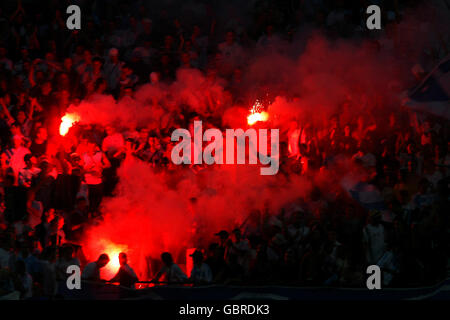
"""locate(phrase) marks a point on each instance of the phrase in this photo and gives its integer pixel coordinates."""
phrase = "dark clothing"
(126, 277)
(15, 203)
(38, 149)
(95, 196)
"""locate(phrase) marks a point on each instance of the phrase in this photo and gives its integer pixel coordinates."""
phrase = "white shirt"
(93, 165)
(26, 175)
(113, 143)
(201, 273)
(15, 157)
(27, 283)
(374, 237)
(49, 273)
(387, 262)
(91, 272)
(4, 258)
(174, 273)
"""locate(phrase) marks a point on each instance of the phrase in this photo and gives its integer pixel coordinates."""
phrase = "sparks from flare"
(67, 122)
(257, 114)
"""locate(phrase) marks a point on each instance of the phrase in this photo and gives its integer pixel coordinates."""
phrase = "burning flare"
(256, 114)
(112, 250)
(67, 122)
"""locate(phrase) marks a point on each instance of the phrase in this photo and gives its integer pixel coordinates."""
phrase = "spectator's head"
(75, 159)
(154, 77)
(168, 42)
(223, 235)
(67, 252)
(64, 97)
(41, 134)
(229, 37)
(237, 75)
(186, 59)
(46, 88)
(197, 257)
(123, 259)
(126, 70)
(49, 56)
(212, 249)
(21, 117)
(167, 259)
(147, 25)
(110, 130)
(64, 80)
(114, 55)
(87, 56)
(237, 234)
(102, 260)
(39, 75)
(3, 52)
(68, 63)
(196, 31)
(91, 147)
(79, 49)
(97, 63)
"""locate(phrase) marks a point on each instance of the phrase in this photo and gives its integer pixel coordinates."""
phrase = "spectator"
(91, 271)
(171, 271)
(125, 276)
(201, 273)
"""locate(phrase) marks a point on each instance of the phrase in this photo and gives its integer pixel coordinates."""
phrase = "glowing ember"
(67, 122)
(256, 114)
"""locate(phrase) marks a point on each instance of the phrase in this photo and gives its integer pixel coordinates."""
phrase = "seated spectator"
(126, 275)
(201, 273)
(91, 271)
(171, 271)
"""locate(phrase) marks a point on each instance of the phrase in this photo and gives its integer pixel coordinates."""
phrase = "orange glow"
(112, 250)
(67, 122)
(256, 114)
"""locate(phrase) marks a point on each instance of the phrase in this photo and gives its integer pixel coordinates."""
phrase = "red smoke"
(153, 212)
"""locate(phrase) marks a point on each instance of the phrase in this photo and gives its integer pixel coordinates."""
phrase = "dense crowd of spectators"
(49, 196)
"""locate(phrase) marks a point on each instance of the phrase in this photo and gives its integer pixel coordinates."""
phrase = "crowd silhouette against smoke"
(363, 179)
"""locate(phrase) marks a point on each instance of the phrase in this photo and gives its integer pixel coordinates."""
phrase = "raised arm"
(6, 111)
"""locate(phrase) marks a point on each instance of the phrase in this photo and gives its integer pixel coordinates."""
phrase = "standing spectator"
(113, 70)
(374, 238)
(94, 162)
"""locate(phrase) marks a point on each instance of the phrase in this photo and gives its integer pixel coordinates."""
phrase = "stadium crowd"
(48, 196)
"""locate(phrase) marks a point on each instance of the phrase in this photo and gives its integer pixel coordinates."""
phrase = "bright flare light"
(112, 250)
(256, 114)
(67, 122)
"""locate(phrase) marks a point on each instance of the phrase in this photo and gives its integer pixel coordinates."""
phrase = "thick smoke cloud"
(156, 211)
